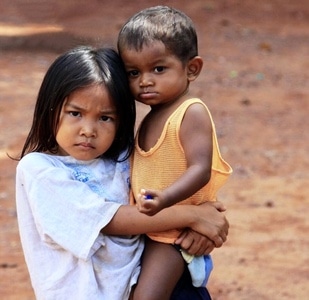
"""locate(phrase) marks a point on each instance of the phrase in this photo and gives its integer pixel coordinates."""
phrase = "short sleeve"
(66, 212)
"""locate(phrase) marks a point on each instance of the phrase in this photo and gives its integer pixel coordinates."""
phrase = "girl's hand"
(194, 243)
(211, 222)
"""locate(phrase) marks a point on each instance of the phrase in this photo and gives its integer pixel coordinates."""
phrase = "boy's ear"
(194, 67)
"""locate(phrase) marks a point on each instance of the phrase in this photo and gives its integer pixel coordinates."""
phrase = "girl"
(72, 184)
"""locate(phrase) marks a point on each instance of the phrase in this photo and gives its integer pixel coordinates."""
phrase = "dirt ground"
(255, 82)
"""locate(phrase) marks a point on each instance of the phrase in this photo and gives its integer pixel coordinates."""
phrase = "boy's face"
(88, 123)
(156, 76)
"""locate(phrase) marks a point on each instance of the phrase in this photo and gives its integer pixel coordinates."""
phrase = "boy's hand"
(149, 202)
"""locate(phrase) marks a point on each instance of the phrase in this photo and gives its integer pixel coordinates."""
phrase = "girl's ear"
(194, 67)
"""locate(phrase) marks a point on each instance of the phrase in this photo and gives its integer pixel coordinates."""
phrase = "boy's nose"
(146, 80)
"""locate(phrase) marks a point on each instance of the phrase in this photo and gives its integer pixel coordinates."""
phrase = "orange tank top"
(165, 162)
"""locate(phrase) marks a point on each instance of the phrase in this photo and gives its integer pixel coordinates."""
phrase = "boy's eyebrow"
(158, 61)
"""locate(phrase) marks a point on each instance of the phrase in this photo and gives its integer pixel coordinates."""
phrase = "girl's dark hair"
(160, 23)
(75, 69)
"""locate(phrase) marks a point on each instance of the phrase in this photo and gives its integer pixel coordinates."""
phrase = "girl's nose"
(88, 130)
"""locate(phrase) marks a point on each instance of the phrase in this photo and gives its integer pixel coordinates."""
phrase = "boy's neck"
(173, 104)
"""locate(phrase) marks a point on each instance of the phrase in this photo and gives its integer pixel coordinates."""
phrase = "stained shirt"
(62, 205)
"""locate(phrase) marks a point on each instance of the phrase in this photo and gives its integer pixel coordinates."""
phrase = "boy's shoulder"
(194, 105)
(194, 112)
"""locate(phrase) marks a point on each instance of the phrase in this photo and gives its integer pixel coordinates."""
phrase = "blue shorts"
(184, 289)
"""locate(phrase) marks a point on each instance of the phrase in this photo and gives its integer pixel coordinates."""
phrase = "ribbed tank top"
(165, 162)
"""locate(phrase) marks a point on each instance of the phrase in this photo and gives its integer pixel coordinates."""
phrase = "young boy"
(177, 158)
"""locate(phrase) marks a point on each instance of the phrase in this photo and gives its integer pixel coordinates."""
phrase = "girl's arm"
(205, 219)
(195, 243)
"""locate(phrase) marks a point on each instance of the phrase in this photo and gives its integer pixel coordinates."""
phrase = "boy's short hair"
(160, 23)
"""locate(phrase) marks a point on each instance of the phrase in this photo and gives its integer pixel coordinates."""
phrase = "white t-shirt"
(62, 204)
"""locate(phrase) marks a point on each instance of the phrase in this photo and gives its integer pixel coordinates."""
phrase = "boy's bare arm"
(196, 140)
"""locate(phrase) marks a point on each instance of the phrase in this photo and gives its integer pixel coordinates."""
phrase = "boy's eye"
(159, 69)
(133, 73)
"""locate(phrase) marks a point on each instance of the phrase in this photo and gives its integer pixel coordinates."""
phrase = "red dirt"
(255, 81)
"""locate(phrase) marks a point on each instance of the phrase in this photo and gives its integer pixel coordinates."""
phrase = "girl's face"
(87, 124)
(156, 76)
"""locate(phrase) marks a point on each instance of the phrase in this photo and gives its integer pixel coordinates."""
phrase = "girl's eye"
(105, 118)
(133, 73)
(159, 69)
(74, 113)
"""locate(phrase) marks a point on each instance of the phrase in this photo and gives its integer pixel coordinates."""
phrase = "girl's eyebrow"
(72, 105)
(108, 110)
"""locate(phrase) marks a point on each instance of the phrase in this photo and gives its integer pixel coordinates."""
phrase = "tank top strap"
(176, 120)
(176, 117)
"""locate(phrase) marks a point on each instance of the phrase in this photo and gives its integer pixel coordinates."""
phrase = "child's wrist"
(188, 214)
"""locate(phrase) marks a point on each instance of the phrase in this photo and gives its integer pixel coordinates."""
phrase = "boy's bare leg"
(162, 267)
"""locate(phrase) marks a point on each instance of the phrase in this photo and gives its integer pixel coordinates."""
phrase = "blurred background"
(255, 82)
